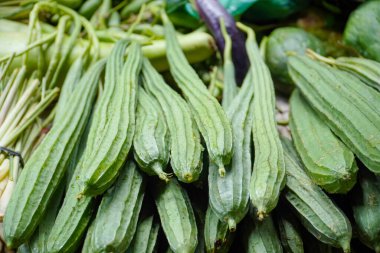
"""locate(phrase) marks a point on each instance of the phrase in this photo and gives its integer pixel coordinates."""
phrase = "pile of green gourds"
(133, 164)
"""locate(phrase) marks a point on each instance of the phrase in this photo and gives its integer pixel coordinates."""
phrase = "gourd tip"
(261, 215)
(231, 224)
(222, 171)
(188, 177)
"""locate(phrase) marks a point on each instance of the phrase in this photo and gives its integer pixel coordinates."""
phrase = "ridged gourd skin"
(317, 213)
(32, 193)
(176, 215)
(151, 140)
(229, 195)
(368, 71)
(366, 209)
(87, 242)
(113, 139)
(145, 239)
(328, 162)
(290, 235)
(210, 117)
(268, 176)
(261, 236)
(350, 108)
(216, 233)
(116, 220)
(185, 143)
(76, 211)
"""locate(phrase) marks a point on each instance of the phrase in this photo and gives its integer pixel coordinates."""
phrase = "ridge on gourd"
(176, 215)
(350, 108)
(185, 143)
(112, 137)
(317, 213)
(268, 176)
(116, 220)
(210, 117)
(32, 194)
(328, 162)
(366, 207)
(229, 195)
(145, 238)
(76, 210)
(150, 143)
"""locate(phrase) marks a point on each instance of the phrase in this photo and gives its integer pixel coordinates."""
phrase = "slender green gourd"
(317, 213)
(176, 215)
(48, 163)
(290, 235)
(230, 88)
(368, 71)
(87, 247)
(112, 144)
(116, 221)
(328, 162)
(261, 237)
(268, 177)
(212, 121)
(185, 145)
(350, 108)
(145, 239)
(229, 195)
(151, 140)
(366, 208)
(216, 233)
(75, 213)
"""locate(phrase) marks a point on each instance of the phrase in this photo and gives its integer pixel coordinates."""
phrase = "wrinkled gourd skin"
(366, 41)
(284, 41)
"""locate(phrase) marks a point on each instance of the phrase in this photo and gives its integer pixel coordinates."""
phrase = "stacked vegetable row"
(83, 182)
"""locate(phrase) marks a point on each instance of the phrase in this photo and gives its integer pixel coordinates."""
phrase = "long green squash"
(366, 208)
(211, 119)
(116, 221)
(229, 195)
(75, 213)
(151, 140)
(216, 233)
(289, 231)
(261, 237)
(176, 215)
(145, 239)
(268, 177)
(350, 108)
(114, 121)
(48, 163)
(313, 207)
(328, 162)
(185, 145)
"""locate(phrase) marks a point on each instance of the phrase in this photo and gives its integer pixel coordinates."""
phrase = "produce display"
(189, 126)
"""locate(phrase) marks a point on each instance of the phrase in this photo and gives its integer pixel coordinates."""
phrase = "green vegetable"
(151, 138)
(349, 107)
(185, 146)
(48, 163)
(116, 220)
(176, 215)
(229, 195)
(209, 115)
(328, 162)
(363, 28)
(313, 207)
(114, 121)
(216, 233)
(289, 231)
(366, 206)
(268, 177)
(283, 42)
(261, 237)
(145, 239)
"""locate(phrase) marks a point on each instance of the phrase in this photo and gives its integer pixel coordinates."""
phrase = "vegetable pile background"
(189, 126)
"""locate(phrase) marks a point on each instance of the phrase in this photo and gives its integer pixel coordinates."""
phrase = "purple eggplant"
(211, 11)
